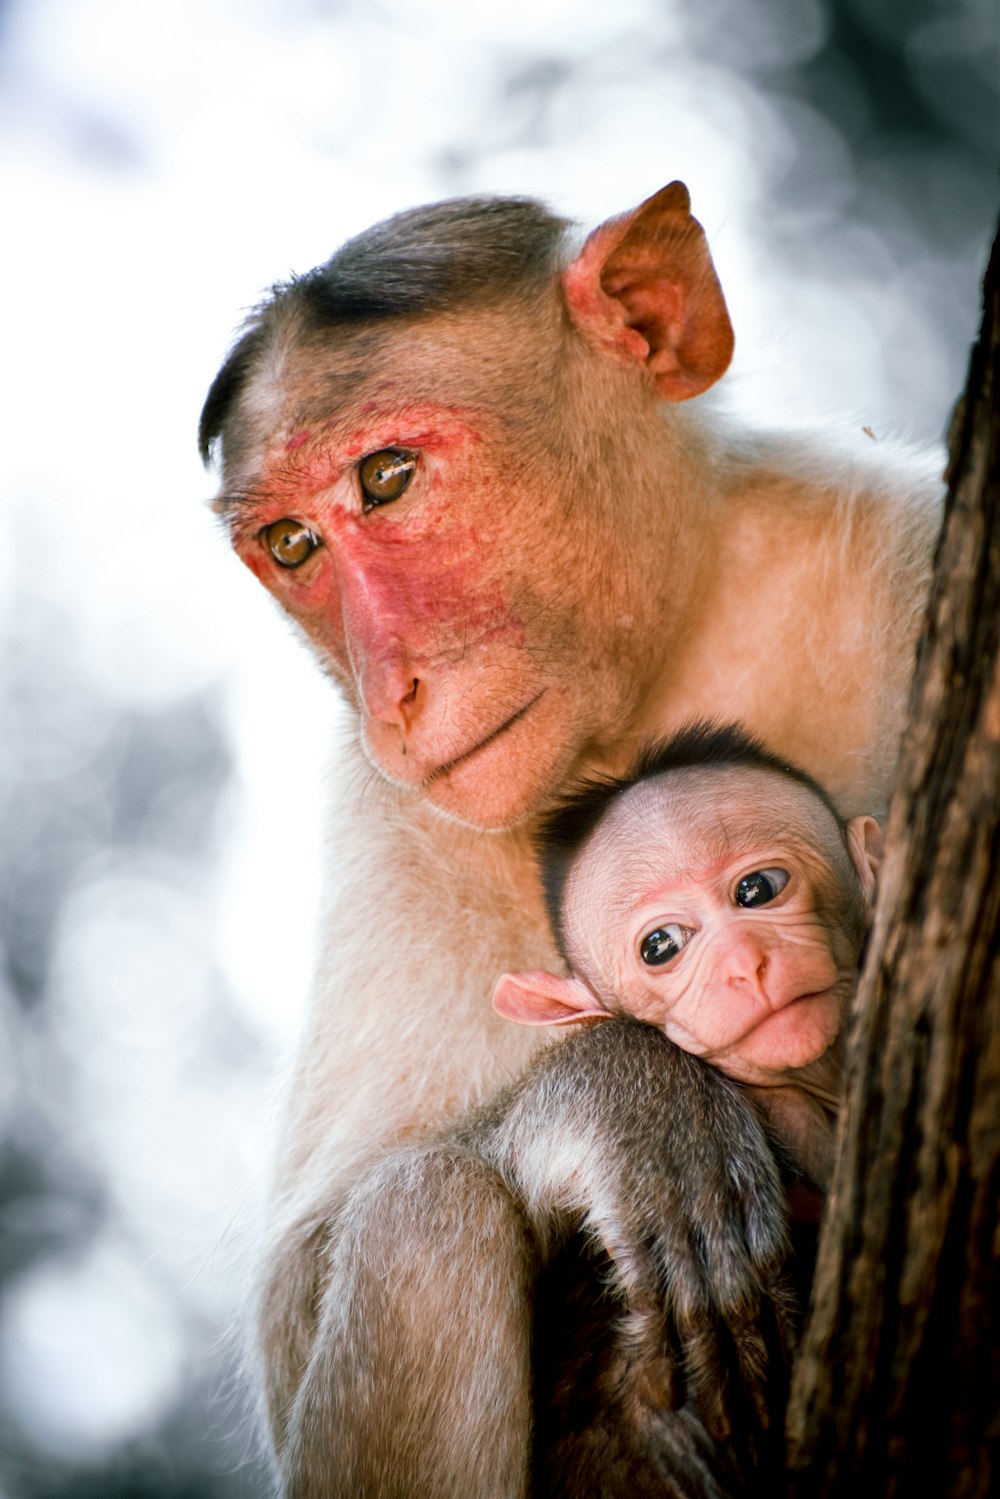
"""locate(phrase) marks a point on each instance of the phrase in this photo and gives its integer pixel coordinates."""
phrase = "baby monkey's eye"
(290, 542)
(663, 944)
(384, 475)
(760, 887)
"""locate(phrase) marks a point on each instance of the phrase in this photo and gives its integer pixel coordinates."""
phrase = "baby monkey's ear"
(864, 844)
(546, 999)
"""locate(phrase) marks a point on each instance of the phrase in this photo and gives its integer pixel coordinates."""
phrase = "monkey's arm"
(400, 1038)
(422, 1260)
(424, 1365)
(669, 1171)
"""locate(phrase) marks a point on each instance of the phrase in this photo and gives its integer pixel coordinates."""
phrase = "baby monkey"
(714, 893)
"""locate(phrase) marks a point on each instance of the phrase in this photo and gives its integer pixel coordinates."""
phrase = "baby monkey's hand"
(663, 1164)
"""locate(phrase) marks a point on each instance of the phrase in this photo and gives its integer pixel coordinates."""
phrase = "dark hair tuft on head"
(226, 387)
(466, 252)
(563, 832)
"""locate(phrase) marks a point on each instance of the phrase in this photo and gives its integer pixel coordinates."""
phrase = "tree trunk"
(897, 1383)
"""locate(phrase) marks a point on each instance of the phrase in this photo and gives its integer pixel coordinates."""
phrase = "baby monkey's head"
(713, 892)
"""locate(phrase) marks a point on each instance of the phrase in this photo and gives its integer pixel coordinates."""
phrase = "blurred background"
(162, 163)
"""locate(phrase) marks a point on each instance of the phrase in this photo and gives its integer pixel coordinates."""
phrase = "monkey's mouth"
(791, 1000)
(491, 738)
(794, 1005)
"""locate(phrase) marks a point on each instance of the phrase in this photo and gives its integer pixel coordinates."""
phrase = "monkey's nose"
(746, 961)
(408, 705)
(392, 695)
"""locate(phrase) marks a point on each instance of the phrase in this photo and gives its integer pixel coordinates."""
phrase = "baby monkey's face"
(727, 908)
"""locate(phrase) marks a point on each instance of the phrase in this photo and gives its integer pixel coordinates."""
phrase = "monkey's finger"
(707, 1380)
(728, 1372)
(645, 1260)
(784, 1307)
(775, 1328)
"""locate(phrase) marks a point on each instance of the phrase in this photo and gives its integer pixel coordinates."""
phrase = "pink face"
(441, 583)
(490, 615)
(729, 913)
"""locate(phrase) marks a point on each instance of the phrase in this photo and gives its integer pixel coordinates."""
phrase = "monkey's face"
(725, 908)
(444, 560)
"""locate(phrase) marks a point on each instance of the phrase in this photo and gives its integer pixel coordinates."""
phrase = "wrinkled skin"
(726, 907)
(462, 617)
(752, 906)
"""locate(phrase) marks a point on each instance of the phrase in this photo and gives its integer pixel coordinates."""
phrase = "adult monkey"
(447, 454)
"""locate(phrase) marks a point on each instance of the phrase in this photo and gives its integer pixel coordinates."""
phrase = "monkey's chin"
(492, 803)
(499, 784)
(487, 803)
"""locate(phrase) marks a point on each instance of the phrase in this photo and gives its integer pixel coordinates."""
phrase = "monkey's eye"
(663, 944)
(290, 542)
(760, 887)
(384, 476)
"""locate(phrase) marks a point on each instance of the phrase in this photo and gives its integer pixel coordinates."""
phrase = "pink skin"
(757, 991)
(463, 617)
(416, 604)
(390, 593)
(750, 993)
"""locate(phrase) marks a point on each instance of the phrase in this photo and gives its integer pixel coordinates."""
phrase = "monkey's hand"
(660, 1160)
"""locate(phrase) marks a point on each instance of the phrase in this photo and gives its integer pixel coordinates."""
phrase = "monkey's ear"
(864, 844)
(644, 283)
(546, 999)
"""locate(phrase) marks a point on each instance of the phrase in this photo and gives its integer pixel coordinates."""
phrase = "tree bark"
(897, 1382)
